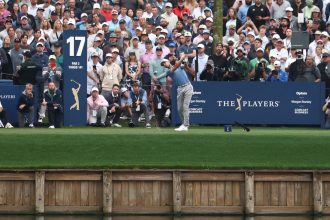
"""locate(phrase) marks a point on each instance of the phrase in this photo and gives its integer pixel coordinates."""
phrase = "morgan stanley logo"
(239, 103)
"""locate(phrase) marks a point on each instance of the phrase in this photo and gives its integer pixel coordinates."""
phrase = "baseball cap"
(113, 35)
(83, 15)
(122, 21)
(52, 57)
(289, 9)
(164, 31)
(100, 32)
(232, 26)
(135, 38)
(139, 29)
(97, 39)
(114, 12)
(324, 33)
(24, 17)
(94, 54)
(161, 36)
(115, 50)
(124, 89)
(260, 49)
(202, 26)
(105, 23)
(178, 35)
(169, 4)
(53, 13)
(240, 49)
(318, 32)
(27, 54)
(201, 46)
(251, 33)
(95, 89)
(277, 63)
(159, 49)
(40, 9)
(108, 55)
(164, 60)
(171, 44)
(276, 36)
(316, 9)
(206, 32)
(187, 34)
(209, 19)
(58, 3)
(40, 44)
(324, 55)
(159, 27)
(17, 40)
(96, 6)
(135, 18)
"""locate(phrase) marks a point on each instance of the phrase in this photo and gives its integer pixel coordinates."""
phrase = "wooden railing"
(165, 192)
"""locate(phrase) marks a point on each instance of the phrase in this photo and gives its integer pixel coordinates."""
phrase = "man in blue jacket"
(53, 101)
(25, 106)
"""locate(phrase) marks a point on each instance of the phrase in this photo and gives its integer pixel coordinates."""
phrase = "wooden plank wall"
(165, 192)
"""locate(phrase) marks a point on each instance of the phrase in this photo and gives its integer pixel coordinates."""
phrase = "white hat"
(2, 1)
(72, 21)
(96, 6)
(161, 36)
(187, 34)
(289, 9)
(200, 46)
(276, 36)
(260, 49)
(124, 89)
(164, 31)
(83, 15)
(95, 89)
(52, 57)
(114, 12)
(139, 29)
(273, 54)
(168, 4)
(24, 17)
(277, 63)
(108, 55)
(159, 27)
(94, 54)
(202, 26)
(39, 43)
(317, 32)
(251, 33)
(209, 19)
(97, 39)
(135, 37)
(115, 50)
(105, 23)
(41, 38)
(280, 40)
(324, 33)
(100, 32)
(164, 60)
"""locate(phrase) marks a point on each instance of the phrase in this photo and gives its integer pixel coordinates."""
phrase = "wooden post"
(249, 193)
(40, 192)
(107, 192)
(317, 193)
(177, 192)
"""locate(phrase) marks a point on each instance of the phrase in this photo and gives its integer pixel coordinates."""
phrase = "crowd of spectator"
(128, 40)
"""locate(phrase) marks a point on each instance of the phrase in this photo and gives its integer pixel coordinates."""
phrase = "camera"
(208, 66)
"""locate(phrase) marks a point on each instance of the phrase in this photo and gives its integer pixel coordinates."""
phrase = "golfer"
(184, 88)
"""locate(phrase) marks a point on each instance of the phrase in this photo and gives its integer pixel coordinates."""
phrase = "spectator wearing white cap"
(93, 69)
(96, 108)
(96, 11)
(281, 53)
(325, 38)
(202, 60)
(199, 38)
(95, 48)
(110, 74)
(231, 35)
(199, 11)
(82, 24)
(135, 47)
(293, 19)
(187, 47)
(282, 75)
(313, 44)
(207, 42)
(161, 40)
(169, 16)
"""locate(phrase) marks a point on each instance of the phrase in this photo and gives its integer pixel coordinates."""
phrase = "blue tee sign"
(75, 80)
(292, 103)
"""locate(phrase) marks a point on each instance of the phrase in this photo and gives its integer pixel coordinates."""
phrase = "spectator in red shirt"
(180, 9)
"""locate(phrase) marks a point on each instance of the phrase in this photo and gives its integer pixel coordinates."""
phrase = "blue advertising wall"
(75, 77)
(255, 103)
(9, 96)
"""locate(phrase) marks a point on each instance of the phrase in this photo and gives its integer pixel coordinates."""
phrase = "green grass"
(200, 148)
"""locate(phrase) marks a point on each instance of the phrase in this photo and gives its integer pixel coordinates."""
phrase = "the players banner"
(256, 103)
(75, 80)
